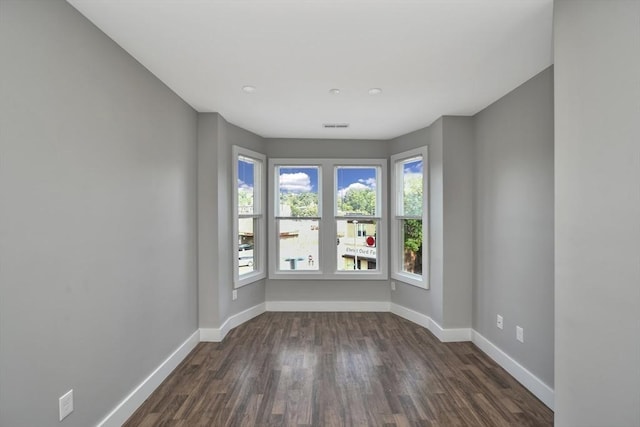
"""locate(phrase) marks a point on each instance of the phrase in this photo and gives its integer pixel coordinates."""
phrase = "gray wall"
(215, 214)
(208, 260)
(457, 251)
(514, 264)
(97, 219)
(597, 81)
(326, 290)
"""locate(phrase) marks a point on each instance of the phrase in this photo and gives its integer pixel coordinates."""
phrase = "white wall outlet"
(65, 404)
(393, 286)
(234, 295)
(499, 322)
(519, 334)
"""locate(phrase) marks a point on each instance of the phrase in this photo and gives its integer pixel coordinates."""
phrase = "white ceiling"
(430, 57)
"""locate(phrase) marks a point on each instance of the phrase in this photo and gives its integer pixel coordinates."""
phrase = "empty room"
(319, 213)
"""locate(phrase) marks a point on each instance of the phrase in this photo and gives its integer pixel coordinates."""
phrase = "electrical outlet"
(234, 295)
(519, 334)
(499, 322)
(65, 404)
(393, 286)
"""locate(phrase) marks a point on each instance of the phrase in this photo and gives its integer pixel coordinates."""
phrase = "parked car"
(245, 255)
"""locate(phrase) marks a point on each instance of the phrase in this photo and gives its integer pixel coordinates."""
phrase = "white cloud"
(298, 182)
(369, 182)
(354, 186)
(244, 186)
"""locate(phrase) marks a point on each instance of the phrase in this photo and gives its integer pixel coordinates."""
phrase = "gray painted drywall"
(514, 263)
(597, 212)
(208, 260)
(458, 188)
(97, 219)
(326, 148)
(215, 138)
(427, 302)
(326, 290)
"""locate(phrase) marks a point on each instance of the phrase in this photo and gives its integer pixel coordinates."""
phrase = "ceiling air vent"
(335, 125)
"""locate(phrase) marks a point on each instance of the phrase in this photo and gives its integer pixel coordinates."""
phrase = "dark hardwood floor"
(338, 369)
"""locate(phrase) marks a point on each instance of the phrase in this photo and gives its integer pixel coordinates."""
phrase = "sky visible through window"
(355, 178)
(305, 179)
(245, 174)
(414, 166)
(298, 180)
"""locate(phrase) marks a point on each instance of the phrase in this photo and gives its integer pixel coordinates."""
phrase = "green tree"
(301, 204)
(413, 245)
(245, 198)
(412, 198)
(358, 201)
(412, 194)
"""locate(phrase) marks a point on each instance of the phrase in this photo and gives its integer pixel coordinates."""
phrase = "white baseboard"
(444, 335)
(129, 404)
(411, 315)
(450, 334)
(534, 384)
(327, 306)
(218, 334)
(210, 335)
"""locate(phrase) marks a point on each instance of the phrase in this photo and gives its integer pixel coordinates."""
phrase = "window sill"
(363, 275)
(411, 279)
(247, 279)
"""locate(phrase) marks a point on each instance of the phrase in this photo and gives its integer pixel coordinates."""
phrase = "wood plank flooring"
(338, 369)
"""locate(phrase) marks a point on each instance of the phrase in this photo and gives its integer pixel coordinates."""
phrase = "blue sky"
(305, 179)
(414, 166)
(245, 174)
(356, 178)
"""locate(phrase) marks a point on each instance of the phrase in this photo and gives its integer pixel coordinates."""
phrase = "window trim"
(260, 226)
(397, 251)
(327, 218)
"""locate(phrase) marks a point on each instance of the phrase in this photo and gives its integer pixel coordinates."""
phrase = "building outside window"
(357, 212)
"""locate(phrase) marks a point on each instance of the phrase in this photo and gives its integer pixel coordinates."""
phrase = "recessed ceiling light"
(249, 89)
(334, 91)
(375, 91)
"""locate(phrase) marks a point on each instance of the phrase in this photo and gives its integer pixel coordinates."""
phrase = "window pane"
(246, 171)
(411, 230)
(356, 243)
(298, 244)
(246, 243)
(412, 187)
(356, 191)
(298, 191)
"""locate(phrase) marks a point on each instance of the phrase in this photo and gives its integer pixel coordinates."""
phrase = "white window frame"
(260, 226)
(327, 218)
(397, 252)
